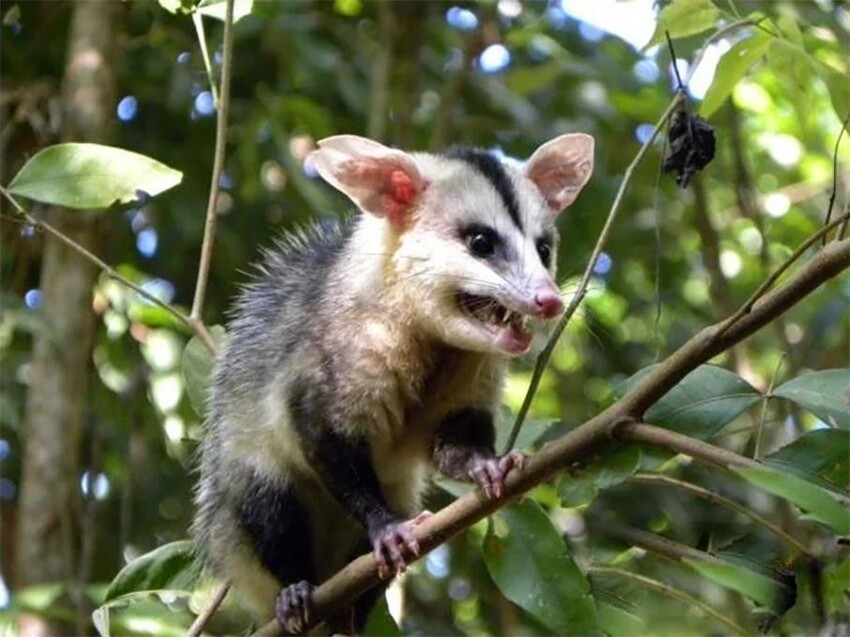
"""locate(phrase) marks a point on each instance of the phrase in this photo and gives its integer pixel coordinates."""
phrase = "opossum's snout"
(507, 327)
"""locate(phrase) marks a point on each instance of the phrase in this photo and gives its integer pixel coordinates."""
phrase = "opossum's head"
(470, 238)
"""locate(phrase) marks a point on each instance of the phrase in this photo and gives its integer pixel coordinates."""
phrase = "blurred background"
(503, 75)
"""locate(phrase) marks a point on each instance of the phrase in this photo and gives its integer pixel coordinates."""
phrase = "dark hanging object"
(691, 146)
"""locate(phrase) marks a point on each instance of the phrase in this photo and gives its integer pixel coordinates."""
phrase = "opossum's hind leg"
(279, 529)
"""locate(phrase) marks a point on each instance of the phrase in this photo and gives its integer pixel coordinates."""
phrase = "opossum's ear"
(382, 181)
(560, 168)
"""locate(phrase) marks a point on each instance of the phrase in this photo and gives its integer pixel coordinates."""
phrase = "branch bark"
(618, 421)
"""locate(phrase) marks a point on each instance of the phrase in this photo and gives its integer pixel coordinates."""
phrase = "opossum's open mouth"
(510, 327)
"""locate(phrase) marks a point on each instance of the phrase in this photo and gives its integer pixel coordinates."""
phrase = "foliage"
(675, 262)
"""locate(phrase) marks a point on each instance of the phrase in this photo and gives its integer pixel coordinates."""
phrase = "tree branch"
(361, 574)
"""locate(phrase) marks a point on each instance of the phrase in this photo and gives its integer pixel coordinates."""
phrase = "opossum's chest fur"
(399, 388)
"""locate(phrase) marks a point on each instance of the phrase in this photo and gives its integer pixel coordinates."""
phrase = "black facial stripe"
(494, 172)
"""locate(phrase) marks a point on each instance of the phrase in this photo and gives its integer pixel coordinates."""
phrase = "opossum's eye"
(544, 249)
(481, 240)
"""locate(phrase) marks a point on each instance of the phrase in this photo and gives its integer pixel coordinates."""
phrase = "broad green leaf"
(701, 404)
(604, 471)
(164, 613)
(821, 456)
(616, 621)
(198, 365)
(760, 588)
(169, 567)
(825, 393)
(682, 18)
(732, 67)
(532, 430)
(532, 568)
(218, 9)
(814, 500)
(837, 576)
(89, 176)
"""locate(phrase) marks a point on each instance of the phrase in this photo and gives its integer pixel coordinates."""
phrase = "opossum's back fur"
(317, 314)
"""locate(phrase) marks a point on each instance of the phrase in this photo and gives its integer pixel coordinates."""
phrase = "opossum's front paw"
(490, 473)
(395, 543)
(294, 606)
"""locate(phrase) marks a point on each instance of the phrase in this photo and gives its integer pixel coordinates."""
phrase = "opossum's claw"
(490, 473)
(293, 607)
(394, 544)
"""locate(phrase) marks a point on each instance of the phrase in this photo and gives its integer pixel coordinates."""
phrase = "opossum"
(368, 353)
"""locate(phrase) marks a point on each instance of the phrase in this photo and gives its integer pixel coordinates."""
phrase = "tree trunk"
(58, 393)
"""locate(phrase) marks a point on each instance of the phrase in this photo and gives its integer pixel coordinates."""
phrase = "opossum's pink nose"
(548, 304)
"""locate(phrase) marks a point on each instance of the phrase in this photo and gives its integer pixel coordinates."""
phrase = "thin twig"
(714, 498)
(774, 276)
(696, 449)
(543, 359)
(835, 172)
(670, 592)
(215, 601)
(198, 21)
(106, 268)
(218, 166)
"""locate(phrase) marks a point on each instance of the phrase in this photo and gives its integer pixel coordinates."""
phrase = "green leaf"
(824, 393)
(821, 456)
(682, 18)
(531, 566)
(617, 621)
(169, 567)
(381, 622)
(701, 404)
(604, 471)
(816, 501)
(89, 176)
(760, 588)
(218, 9)
(532, 430)
(198, 365)
(732, 67)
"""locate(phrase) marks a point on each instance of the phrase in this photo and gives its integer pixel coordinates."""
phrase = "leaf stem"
(669, 591)
(198, 21)
(714, 498)
(218, 165)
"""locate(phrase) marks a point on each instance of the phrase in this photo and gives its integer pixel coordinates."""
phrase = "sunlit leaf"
(821, 456)
(814, 500)
(178, 6)
(682, 18)
(703, 402)
(198, 363)
(218, 9)
(169, 567)
(758, 587)
(825, 393)
(533, 569)
(89, 176)
(732, 67)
